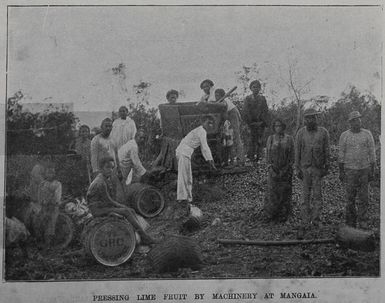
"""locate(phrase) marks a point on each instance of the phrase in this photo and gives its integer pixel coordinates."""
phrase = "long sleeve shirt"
(356, 150)
(255, 109)
(312, 148)
(195, 138)
(123, 130)
(129, 160)
(101, 147)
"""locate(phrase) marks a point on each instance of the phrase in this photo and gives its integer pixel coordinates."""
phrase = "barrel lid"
(113, 242)
(150, 202)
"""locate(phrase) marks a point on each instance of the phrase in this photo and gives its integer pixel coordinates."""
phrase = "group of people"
(255, 115)
(111, 161)
(308, 155)
(108, 161)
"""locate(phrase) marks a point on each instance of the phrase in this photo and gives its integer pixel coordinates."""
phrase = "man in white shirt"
(123, 128)
(356, 158)
(195, 138)
(130, 164)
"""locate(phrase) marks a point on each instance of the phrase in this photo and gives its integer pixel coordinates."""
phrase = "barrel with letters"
(109, 240)
(147, 200)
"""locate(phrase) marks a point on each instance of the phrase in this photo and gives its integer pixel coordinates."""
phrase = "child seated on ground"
(49, 200)
(227, 143)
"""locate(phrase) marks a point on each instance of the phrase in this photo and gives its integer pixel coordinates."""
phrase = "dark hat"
(211, 83)
(310, 112)
(353, 115)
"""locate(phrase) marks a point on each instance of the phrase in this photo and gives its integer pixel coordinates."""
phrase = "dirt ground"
(237, 213)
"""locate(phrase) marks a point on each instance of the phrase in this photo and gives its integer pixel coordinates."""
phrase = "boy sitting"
(101, 201)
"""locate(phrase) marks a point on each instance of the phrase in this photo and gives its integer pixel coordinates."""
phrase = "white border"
(327, 290)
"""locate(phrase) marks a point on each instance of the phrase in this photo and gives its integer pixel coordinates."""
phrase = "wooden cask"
(110, 241)
(147, 200)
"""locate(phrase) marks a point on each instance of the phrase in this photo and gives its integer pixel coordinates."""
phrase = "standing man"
(195, 138)
(256, 116)
(312, 164)
(234, 117)
(356, 160)
(102, 146)
(123, 128)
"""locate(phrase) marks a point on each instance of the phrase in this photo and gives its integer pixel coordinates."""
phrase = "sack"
(15, 231)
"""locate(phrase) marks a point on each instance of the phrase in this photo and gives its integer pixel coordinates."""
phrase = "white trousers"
(184, 189)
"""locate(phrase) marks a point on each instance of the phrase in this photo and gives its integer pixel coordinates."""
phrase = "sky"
(66, 54)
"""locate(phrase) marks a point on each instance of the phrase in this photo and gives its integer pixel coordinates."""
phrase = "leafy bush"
(49, 132)
(146, 119)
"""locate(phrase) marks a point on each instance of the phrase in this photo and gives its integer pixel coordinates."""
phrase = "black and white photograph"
(192, 142)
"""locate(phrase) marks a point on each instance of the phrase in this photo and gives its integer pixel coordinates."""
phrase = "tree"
(298, 88)
(352, 99)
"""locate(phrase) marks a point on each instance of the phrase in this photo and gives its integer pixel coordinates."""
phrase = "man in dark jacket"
(256, 116)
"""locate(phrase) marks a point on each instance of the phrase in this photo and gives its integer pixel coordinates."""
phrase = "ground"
(236, 216)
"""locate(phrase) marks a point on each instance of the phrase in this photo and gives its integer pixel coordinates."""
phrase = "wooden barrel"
(147, 200)
(64, 231)
(110, 241)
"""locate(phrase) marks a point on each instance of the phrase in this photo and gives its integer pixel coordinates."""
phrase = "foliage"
(335, 119)
(48, 132)
(146, 119)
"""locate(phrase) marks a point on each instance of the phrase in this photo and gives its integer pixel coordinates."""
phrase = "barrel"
(64, 231)
(110, 241)
(147, 200)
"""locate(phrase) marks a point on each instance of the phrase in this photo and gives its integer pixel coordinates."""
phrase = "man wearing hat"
(312, 164)
(356, 159)
(256, 116)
